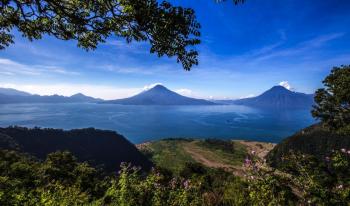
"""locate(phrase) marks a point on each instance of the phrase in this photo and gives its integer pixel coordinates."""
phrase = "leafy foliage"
(170, 30)
(333, 102)
(302, 180)
(61, 180)
(321, 182)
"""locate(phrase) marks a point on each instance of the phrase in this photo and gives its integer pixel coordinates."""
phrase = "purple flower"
(186, 184)
(253, 152)
(247, 161)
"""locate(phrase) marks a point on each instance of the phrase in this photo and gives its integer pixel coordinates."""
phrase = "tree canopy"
(333, 102)
(170, 30)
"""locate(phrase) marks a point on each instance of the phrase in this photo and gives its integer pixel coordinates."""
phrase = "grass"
(234, 157)
(173, 154)
(169, 154)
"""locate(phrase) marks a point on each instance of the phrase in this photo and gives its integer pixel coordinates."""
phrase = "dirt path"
(260, 149)
(210, 159)
(213, 160)
(207, 160)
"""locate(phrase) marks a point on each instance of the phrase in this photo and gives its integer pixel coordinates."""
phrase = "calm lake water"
(144, 123)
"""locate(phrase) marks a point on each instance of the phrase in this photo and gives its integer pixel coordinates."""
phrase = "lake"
(144, 123)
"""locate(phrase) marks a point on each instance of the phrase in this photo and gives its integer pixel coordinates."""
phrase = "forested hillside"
(315, 140)
(103, 148)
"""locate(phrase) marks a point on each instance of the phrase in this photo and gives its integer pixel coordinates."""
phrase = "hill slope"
(105, 148)
(159, 95)
(9, 91)
(278, 97)
(314, 140)
(176, 154)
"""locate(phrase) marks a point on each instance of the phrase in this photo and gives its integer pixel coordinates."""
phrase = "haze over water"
(144, 123)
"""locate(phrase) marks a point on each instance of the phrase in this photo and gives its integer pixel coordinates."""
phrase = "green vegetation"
(61, 180)
(229, 152)
(175, 154)
(102, 148)
(333, 102)
(304, 179)
(314, 140)
(168, 154)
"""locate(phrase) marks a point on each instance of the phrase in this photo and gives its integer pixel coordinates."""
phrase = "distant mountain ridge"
(12, 96)
(9, 91)
(278, 97)
(159, 95)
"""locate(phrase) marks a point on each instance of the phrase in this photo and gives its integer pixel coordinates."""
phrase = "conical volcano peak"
(160, 95)
(279, 97)
(278, 88)
(159, 87)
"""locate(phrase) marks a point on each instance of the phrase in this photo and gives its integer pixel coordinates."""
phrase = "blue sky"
(245, 50)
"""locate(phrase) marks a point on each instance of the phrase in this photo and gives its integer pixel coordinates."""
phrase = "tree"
(170, 30)
(333, 102)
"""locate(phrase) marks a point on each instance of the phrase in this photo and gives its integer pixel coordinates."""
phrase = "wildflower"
(253, 152)
(173, 183)
(343, 150)
(157, 185)
(247, 161)
(186, 184)
(348, 152)
(328, 159)
(340, 187)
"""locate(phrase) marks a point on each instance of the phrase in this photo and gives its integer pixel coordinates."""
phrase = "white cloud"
(299, 48)
(150, 86)
(286, 85)
(127, 69)
(160, 69)
(133, 47)
(247, 96)
(185, 92)
(9, 67)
